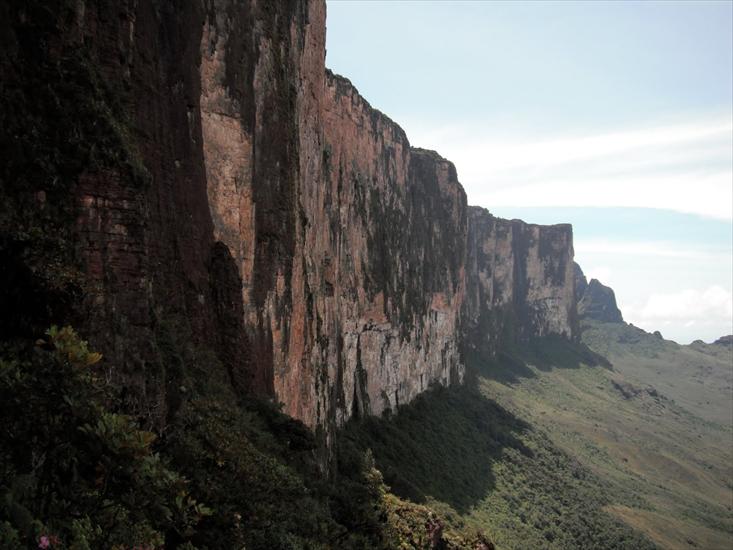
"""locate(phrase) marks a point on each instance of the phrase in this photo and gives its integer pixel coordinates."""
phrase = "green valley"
(555, 446)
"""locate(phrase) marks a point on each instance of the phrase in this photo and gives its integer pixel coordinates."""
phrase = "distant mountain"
(595, 300)
(725, 341)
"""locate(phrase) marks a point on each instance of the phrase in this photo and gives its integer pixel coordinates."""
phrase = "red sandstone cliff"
(352, 279)
(262, 209)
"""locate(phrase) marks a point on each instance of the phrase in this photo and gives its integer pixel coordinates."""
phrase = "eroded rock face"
(183, 208)
(386, 241)
(521, 281)
(380, 269)
(352, 257)
(595, 300)
(261, 76)
(254, 204)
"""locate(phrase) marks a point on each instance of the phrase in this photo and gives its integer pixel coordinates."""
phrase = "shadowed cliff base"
(546, 353)
(442, 445)
(229, 472)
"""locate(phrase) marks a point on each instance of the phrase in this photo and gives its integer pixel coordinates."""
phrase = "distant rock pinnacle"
(595, 300)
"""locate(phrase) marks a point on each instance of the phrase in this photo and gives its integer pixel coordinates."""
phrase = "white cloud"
(705, 309)
(552, 152)
(705, 194)
(688, 304)
(687, 167)
(682, 289)
(660, 249)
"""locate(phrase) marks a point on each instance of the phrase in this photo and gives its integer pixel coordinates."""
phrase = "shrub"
(73, 474)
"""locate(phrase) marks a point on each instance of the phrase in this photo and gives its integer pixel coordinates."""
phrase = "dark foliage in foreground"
(73, 473)
(226, 474)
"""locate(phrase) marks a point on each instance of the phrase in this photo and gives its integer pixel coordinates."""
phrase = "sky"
(616, 117)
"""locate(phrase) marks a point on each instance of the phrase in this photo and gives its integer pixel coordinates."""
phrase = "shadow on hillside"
(546, 353)
(445, 442)
(442, 445)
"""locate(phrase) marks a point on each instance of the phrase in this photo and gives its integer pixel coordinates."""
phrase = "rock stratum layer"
(256, 204)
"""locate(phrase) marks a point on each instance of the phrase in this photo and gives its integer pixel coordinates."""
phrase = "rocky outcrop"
(725, 341)
(230, 194)
(595, 300)
(521, 281)
(630, 391)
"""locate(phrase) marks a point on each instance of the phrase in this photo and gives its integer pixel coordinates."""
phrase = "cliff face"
(259, 110)
(382, 257)
(231, 193)
(106, 190)
(349, 244)
(521, 282)
(154, 189)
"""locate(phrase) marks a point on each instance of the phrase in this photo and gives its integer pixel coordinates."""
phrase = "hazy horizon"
(615, 117)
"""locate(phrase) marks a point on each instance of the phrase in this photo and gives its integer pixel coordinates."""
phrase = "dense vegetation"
(76, 473)
(232, 473)
(72, 473)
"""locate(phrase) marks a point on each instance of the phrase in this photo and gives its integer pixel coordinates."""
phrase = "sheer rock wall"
(521, 282)
(252, 203)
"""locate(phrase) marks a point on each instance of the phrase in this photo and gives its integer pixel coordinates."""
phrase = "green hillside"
(556, 447)
(655, 424)
(553, 446)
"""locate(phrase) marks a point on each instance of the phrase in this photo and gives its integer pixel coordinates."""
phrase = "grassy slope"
(555, 447)
(698, 377)
(655, 425)
(483, 467)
